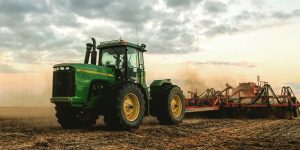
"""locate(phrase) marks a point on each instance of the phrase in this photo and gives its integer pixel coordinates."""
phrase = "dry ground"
(36, 128)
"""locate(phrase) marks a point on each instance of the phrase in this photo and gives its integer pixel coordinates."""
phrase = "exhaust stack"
(91, 52)
(94, 53)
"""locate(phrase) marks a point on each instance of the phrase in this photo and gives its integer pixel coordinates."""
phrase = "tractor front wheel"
(74, 118)
(127, 110)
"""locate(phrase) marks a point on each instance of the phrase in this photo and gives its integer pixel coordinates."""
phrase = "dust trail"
(192, 81)
(28, 89)
(30, 116)
(192, 78)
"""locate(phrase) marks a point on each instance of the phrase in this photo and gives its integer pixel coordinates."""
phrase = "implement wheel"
(295, 109)
(281, 112)
(217, 114)
(258, 112)
(127, 110)
(231, 112)
(295, 112)
(74, 118)
(171, 109)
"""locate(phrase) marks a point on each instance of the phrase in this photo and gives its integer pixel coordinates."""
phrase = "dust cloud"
(192, 78)
(26, 89)
(191, 81)
(34, 89)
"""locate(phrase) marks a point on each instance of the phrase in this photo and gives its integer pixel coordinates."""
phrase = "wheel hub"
(84, 115)
(131, 107)
(176, 106)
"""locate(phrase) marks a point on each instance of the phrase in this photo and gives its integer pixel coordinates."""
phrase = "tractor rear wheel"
(172, 106)
(74, 118)
(127, 110)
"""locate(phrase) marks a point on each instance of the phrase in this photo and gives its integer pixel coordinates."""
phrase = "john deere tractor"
(111, 82)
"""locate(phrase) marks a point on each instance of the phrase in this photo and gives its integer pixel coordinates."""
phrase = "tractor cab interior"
(114, 57)
(127, 61)
(127, 67)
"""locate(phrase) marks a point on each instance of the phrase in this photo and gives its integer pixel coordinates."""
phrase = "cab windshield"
(113, 57)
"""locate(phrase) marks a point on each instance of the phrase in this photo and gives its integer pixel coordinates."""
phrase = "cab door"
(133, 65)
(141, 69)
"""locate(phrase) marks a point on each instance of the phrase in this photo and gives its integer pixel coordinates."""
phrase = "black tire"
(74, 118)
(295, 109)
(258, 112)
(281, 113)
(296, 112)
(217, 114)
(231, 112)
(115, 118)
(165, 115)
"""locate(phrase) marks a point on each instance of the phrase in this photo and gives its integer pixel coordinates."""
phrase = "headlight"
(61, 68)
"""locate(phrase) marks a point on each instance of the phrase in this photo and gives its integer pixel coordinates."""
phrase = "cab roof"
(115, 43)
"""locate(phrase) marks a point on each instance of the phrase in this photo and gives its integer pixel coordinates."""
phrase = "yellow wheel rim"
(176, 106)
(131, 107)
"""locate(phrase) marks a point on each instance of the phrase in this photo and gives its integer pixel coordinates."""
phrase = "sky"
(197, 43)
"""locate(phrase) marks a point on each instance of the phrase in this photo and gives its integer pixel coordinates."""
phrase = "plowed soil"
(36, 128)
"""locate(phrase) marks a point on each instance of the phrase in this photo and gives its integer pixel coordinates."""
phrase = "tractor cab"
(126, 59)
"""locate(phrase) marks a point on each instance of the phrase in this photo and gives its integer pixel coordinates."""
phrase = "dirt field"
(36, 128)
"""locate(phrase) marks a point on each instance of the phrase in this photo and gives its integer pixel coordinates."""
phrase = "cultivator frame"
(263, 103)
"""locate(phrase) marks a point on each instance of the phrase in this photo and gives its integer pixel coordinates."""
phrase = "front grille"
(63, 83)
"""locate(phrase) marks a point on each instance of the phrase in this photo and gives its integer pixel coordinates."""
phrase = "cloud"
(182, 3)
(37, 31)
(207, 22)
(224, 63)
(258, 3)
(27, 28)
(294, 84)
(295, 87)
(246, 15)
(249, 21)
(220, 29)
(130, 11)
(286, 15)
(214, 7)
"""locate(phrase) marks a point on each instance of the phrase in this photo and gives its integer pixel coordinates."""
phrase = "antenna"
(136, 34)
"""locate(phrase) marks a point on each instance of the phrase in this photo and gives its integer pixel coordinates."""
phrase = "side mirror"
(143, 46)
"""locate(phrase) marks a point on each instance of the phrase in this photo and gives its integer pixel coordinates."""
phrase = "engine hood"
(90, 71)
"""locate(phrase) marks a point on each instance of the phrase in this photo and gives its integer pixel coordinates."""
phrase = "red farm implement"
(248, 99)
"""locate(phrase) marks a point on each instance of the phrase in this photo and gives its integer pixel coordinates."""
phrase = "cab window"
(133, 64)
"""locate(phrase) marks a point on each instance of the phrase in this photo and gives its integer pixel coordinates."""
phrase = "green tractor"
(111, 82)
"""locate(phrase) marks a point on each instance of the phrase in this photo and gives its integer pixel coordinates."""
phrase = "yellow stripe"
(95, 72)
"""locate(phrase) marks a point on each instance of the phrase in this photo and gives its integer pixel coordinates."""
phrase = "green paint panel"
(84, 75)
(158, 83)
